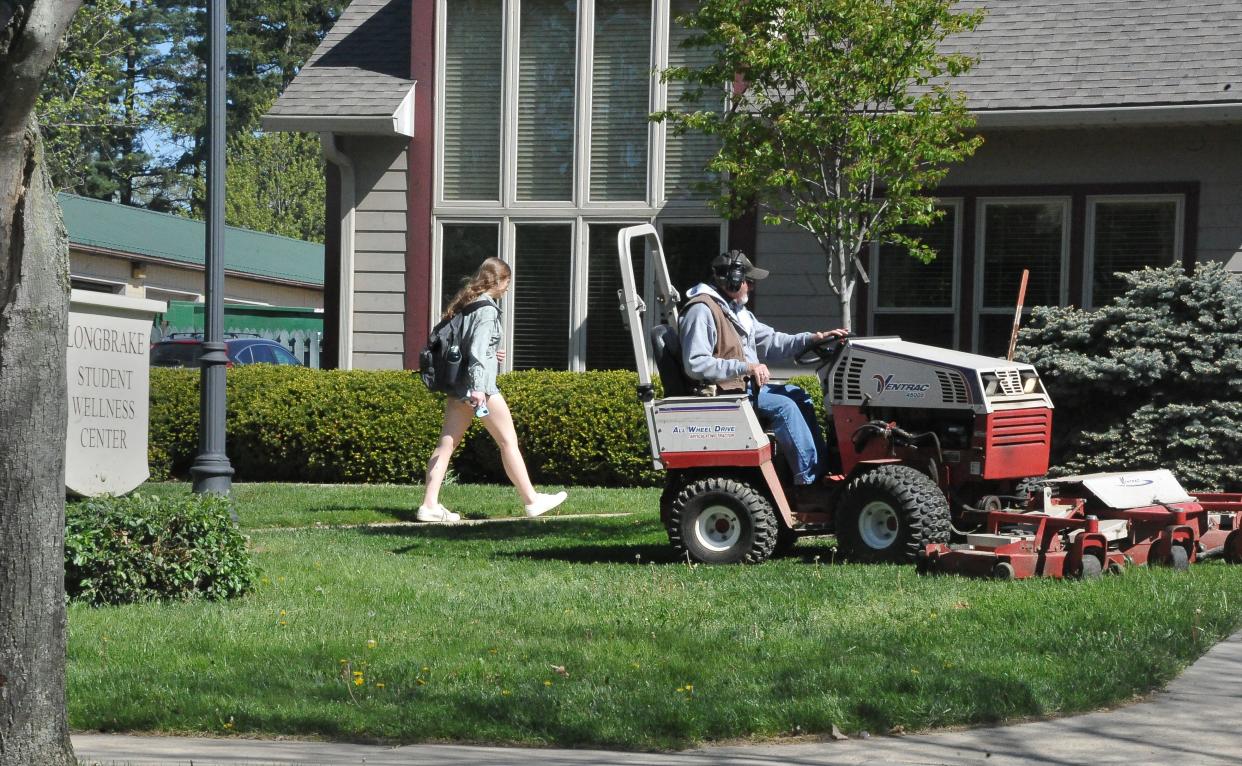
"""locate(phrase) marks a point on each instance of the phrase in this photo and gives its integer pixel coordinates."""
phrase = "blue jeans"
(789, 412)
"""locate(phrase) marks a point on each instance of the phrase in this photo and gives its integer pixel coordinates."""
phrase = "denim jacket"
(481, 329)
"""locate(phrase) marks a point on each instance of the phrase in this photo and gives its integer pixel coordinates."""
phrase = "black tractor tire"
(890, 513)
(718, 520)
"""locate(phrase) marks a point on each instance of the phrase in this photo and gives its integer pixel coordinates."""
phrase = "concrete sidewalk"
(1197, 721)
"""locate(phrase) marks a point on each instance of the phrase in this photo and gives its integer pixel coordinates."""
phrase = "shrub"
(583, 428)
(288, 423)
(1152, 380)
(143, 548)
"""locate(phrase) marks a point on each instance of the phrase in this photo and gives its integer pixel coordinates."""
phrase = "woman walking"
(477, 394)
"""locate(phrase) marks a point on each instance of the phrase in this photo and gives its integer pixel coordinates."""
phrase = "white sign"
(109, 347)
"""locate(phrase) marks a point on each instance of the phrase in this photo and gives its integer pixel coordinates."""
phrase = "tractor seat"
(666, 350)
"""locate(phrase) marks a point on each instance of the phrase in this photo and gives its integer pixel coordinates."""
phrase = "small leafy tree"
(1152, 380)
(839, 120)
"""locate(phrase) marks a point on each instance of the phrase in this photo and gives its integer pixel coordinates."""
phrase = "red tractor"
(937, 458)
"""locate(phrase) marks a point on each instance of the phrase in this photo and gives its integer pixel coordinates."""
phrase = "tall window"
(1127, 235)
(688, 154)
(1018, 235)
(545, 111)
(472, 92)
(917, 300)
(545, 149)
(541, 293)
(608, 344)
(620, 85)
(463, 246)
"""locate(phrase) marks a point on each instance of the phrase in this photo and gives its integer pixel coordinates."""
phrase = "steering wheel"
(823, 352)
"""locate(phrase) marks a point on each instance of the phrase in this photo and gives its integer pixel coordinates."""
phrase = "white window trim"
(980, 244)
(117, 286)
(1088, 260)
(580, 213)
(873, 303)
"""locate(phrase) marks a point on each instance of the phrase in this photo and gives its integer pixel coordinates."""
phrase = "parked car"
(182, 350)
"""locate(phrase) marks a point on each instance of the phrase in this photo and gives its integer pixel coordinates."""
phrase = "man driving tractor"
(725, 346)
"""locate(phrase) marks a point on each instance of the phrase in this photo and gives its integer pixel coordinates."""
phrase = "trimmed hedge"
(121, 550)
(297, 424)
(1152, 380)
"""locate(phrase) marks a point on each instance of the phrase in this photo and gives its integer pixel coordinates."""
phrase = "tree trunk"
(33, 320)
(34, 284)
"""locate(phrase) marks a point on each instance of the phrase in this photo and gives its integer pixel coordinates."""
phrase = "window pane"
(1021, 236)
(689, 251)
(541, 297)
(903, 281)
(932, 329)
(1128, 237)
(687, 155)
(462, 248)
(545, 150)
(994, 332)
(472, 90)
(608, 345)
(621, 79)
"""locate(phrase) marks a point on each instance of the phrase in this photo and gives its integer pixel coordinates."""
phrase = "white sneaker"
(544, 503)
(436, 513)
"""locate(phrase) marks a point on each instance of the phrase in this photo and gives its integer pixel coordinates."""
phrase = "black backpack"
(440, 362)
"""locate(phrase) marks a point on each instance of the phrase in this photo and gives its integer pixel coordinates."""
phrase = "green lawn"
(585, 632)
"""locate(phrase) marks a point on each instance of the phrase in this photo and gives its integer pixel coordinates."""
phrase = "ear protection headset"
(731, 275)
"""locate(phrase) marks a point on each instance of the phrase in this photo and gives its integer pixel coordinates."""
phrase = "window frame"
(1088, 255)
(580, 213)
(958, 204)
(978, 310)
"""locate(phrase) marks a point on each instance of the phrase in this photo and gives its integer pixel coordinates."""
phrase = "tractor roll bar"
(634, 309)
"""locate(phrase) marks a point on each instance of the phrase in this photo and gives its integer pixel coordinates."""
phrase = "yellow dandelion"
(372, 643)
(425, 669)
(504, 692)
(379, 684)
(359, 681)
(421, 682)
(282, 622)
(357, 672)
(282, 612)
(689, 687)
(344, 662)
(681, 689)
(635, 665)
(547, 683)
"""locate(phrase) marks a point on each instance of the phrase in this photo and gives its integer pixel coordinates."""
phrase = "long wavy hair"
(490, 273)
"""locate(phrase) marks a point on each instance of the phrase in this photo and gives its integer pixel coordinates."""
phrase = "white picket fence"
(303, 343)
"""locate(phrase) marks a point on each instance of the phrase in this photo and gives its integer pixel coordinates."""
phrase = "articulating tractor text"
(938, 458)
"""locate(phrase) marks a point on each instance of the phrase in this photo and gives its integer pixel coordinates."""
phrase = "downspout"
(345, 323)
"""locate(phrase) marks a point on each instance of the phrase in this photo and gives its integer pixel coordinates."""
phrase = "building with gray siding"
(457, 129)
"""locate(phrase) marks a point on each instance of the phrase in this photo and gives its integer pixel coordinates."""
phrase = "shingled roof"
(1103, 54)
(358, 79)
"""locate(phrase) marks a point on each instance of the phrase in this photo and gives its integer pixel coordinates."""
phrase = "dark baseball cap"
(723, 261)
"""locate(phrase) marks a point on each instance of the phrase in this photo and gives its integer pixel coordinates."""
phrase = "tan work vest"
(728, 343)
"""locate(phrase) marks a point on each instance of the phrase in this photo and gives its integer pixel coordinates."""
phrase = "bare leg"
(456, 420)
(500, 425)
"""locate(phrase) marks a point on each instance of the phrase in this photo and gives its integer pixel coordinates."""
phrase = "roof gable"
(360, 72)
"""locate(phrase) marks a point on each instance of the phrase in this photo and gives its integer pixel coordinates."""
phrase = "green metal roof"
(110, 226)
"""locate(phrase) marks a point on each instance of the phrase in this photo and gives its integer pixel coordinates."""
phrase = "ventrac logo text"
(886, 384)
(1133, 481)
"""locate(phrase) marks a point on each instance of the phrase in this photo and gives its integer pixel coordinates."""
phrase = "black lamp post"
(211, 469)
